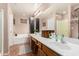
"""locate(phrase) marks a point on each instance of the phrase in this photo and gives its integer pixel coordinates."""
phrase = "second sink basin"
(61, 46)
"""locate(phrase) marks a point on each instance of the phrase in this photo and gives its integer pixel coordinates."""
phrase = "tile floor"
(20, 50)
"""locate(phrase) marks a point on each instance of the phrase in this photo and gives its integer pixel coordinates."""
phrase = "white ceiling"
(54, 8)
(46, 9)
(22, 8)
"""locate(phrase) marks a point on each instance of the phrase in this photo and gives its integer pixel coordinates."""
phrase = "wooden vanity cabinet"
(40, 49)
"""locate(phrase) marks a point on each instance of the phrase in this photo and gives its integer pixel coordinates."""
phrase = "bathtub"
(19, 39)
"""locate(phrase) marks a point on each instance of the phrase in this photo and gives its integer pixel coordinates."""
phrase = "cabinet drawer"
(34, 40)
(48, 51)
(40, 53)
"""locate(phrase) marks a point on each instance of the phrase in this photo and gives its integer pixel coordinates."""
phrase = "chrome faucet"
(56, 37)
(59, 38)
(62, 41)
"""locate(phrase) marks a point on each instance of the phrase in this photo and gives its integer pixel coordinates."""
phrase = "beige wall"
(4, 7)
(21, 28)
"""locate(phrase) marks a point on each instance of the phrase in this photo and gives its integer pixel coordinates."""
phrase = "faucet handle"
(62, 40)
(56, 37)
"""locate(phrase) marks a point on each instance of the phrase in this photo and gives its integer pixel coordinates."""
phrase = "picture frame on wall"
(44, 24)
(23, 20)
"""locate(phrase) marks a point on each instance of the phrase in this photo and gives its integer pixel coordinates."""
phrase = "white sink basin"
(61, 46)
(68, 44)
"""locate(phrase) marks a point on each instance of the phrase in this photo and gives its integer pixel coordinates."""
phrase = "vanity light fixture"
(32, 18)
(64, 12)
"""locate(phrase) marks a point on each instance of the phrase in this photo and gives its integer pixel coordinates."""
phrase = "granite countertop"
(69, 48)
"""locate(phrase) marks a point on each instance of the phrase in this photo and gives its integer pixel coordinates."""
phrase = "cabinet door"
(40, 53)
(48, 51)
(34, 47)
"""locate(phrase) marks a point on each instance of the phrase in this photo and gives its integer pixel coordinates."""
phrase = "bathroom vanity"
(39, 49)
(48, 47)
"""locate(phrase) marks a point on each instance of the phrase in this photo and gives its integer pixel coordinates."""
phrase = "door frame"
(2, 52)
